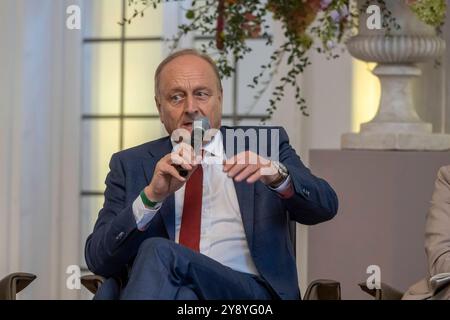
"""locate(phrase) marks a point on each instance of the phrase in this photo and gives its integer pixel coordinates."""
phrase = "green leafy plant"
(319, 25)
(431, 12)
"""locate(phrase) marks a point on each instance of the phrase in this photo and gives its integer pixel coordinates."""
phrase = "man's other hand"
(251, 167)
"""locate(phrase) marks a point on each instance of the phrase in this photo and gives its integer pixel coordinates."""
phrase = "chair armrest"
(12, 284)
(92, 282)
(386, 292)
(323, 289)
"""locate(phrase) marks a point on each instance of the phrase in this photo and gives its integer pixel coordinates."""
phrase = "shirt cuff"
(285, 189)
(142, 214)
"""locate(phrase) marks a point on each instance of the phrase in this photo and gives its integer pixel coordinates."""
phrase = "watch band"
(278, 182)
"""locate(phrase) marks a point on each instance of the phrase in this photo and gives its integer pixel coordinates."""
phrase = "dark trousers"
(165, 270)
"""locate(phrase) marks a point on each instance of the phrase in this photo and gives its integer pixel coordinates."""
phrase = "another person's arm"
(437, 231)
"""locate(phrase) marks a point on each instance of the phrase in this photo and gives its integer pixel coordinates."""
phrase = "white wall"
(327, 88)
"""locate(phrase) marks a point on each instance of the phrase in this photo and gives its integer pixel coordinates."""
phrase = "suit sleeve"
(114, 241)
(314, 200)
(437, 229)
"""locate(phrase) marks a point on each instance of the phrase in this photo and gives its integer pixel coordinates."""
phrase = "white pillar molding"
(40, 99)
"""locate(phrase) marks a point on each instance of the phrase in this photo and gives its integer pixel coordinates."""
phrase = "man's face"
(188, 89)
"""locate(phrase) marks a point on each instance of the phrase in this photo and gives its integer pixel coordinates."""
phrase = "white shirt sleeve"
(283, 186)
(142, 214)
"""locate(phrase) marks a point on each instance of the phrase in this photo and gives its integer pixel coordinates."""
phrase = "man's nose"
(191, 105)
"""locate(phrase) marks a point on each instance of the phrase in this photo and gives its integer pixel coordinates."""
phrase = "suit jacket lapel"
(167, 210)
(246, 195)
(159, 149)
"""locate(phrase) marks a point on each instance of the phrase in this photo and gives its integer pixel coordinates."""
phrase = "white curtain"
(39, 145)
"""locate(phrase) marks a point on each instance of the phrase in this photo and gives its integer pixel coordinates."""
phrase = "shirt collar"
(213, 148)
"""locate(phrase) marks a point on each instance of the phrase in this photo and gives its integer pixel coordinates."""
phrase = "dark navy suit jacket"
(112, 246)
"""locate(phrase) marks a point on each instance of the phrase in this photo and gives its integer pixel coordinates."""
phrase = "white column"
(40, 105)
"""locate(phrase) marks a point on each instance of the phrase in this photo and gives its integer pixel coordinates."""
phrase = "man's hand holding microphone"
(174, 169)
(166, 177)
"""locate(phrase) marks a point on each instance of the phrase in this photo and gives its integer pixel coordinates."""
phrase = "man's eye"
(176, 98)
(202, 94)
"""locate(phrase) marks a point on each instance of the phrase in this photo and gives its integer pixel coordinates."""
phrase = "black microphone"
(199, 128)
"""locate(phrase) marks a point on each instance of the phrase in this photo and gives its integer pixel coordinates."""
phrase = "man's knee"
(154, 245)
(159, 248)
(165, 254)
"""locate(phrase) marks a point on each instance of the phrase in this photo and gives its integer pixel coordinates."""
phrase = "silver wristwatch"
(282, 171)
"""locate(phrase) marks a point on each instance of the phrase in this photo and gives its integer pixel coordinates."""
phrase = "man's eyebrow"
(175, 89)
(202, 88)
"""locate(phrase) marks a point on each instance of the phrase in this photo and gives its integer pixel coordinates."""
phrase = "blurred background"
(69, 99)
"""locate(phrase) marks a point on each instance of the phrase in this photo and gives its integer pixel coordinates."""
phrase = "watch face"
(281, 168)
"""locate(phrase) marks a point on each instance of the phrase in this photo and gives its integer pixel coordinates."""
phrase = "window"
(118, 108)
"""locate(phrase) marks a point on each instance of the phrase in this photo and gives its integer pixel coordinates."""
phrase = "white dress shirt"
(222, 235)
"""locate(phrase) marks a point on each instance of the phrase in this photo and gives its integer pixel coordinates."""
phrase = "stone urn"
(396, 126)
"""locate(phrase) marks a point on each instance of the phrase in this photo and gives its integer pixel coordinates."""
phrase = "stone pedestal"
(395, 141)
(396, 125)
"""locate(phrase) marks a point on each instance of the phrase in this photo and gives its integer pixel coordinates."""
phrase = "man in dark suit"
(219, 231)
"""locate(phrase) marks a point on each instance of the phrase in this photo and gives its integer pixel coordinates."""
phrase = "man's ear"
(158, 106)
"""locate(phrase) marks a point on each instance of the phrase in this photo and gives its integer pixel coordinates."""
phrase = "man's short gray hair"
(185, 52)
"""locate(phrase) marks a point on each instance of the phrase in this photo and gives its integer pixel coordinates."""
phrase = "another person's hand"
(166, 177)
(251, 167)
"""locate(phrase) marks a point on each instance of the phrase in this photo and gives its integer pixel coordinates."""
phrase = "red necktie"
(192, 211)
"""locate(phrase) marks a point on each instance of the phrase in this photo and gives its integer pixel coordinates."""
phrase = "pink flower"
(338, 15)
(343, 10)
(330, 44)
(335, 15)
(325, 3)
